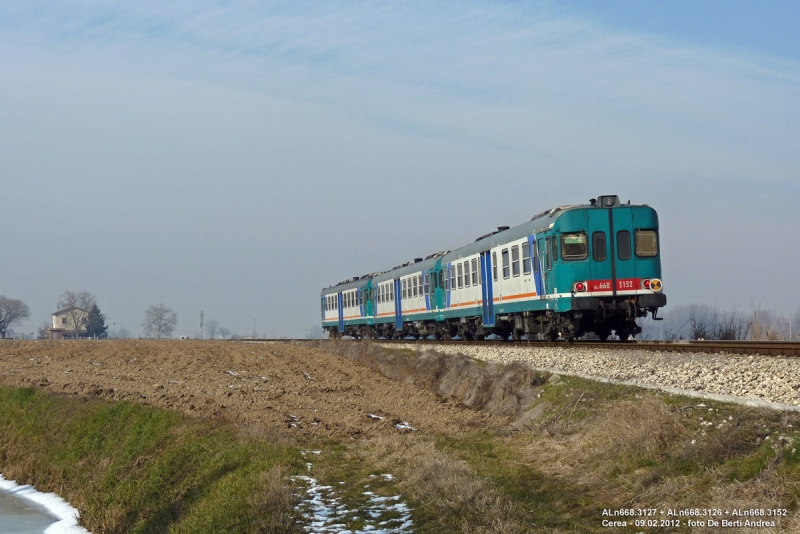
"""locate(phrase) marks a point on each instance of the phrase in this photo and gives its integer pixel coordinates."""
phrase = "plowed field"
(289, 386)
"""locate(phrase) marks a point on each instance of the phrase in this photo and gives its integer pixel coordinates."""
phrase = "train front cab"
(609, 262)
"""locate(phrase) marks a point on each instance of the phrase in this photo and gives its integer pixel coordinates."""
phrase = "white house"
(64, 323)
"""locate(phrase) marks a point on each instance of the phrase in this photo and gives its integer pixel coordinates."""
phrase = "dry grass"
(445, 490)
(501, 390)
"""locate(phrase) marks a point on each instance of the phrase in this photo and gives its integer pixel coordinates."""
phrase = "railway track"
(764, 348)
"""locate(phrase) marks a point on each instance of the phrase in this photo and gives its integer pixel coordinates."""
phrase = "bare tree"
(731, 326)
(43, 332)
(224, 333)
(765, 325)
(212, 328)
(77, 304)
(315, 332)
(159, 321)
(12, 312)
(702, 321)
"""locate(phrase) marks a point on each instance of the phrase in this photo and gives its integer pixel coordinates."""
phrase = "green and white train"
(568, 271)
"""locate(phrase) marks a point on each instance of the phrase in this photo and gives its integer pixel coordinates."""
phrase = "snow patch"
(67, 515)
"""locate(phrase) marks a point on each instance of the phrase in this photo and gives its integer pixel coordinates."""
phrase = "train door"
(398, 305)
(437, 291)
(369, 303)
(487, 291)
(536, 265)
(542, 253)
(340, 308)
(624, 260)
(601, 250)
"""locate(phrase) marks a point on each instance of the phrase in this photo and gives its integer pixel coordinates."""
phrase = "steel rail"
(764, 348)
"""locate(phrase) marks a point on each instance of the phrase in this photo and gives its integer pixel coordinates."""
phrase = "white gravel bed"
(772, 379)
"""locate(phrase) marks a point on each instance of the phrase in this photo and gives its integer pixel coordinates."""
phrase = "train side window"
(446, 279)
(554, 248)
(526, 258)
(426, 281)
(574, 246)
(515, 260)
(381, 293)
(474, 272)
(460, 269)
(452, 278)
(391, 291)
(404, 290)
(494, 266)
(441, 279)
(466, 274)
(624, 245)
(506, 271)
(599, 252)
(419, 285)
(646, 242)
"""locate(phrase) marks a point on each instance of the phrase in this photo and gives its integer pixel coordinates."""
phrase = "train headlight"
(655, 284)
(579, 287)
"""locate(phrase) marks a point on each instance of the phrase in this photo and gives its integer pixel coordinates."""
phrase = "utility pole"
(201, 324)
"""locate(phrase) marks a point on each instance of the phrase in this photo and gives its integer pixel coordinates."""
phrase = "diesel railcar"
(568, 271)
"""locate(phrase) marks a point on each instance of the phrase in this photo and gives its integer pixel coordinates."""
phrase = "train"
(570, 272)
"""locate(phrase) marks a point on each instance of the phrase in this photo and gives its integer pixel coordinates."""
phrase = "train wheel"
(603, 334)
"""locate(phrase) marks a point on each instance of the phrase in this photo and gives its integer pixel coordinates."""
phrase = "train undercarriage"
(597, 316)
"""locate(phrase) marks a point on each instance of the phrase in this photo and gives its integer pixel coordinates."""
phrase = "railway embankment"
(767, 379)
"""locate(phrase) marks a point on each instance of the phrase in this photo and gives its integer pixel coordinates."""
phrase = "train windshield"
(646, 242)
(573, 246)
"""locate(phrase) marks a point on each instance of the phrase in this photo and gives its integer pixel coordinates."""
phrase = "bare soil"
(295, 386)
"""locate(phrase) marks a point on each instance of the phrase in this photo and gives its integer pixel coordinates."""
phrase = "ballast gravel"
(774, 379)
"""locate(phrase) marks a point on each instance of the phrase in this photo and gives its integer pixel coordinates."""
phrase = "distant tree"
(77, 305)
(12, 312)
(121, 333)
(43, 332)
(96, 324)
(159, 321)
(212, 328)
(224, 333)
(315, 332)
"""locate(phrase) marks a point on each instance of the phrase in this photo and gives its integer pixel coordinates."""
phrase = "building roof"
(65, 310)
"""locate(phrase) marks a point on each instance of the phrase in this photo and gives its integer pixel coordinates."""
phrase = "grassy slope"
(588, 446)
(132, 468)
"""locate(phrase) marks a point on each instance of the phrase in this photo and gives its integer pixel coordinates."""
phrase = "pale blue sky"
(237, 157)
